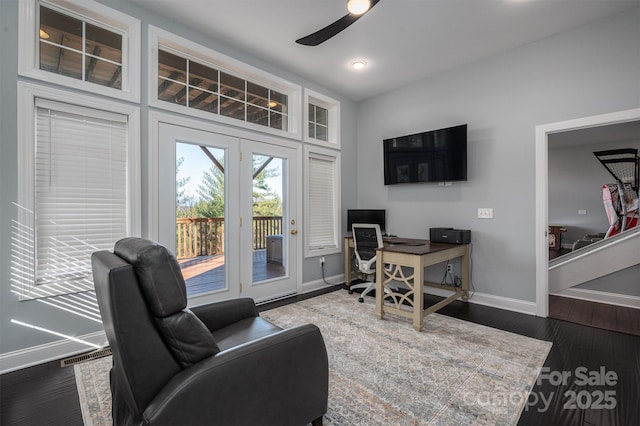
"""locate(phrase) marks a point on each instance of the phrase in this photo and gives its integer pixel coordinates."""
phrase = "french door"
(228, 210)
(269, 228)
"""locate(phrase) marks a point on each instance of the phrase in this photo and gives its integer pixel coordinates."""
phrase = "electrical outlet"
(449, 267)
(322, 261)
(485, 213)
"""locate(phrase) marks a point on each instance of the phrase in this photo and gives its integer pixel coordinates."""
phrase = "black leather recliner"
(214, 364)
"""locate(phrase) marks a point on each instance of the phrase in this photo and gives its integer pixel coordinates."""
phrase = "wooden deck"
(207, 273)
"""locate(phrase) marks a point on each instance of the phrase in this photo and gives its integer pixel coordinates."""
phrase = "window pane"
(60, 61)
(280, 101)
(172, 67)
(321, 132)
(257, 95)
(60, 29)
(200, 211)
(232, 108)
(103, 43)
(232, 87)
(321, 116)
(103, 73)
(257, 115)
(278, 121)
(203, 77)
(312, 113)
(171, 91)
(312, 130)
(205, 101)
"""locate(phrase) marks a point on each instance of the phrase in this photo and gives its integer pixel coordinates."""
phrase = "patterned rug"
(92, 380)
(385, 373)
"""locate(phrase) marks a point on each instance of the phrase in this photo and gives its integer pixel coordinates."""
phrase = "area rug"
(92, 381)
(453, 372)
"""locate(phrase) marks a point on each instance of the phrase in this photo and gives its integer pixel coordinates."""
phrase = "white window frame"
(311, 151)
(333, 120)
(95, 13)
(188, 49)
(24, 282)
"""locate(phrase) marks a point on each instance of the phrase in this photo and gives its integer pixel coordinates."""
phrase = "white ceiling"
(612, 133)
(402, 41)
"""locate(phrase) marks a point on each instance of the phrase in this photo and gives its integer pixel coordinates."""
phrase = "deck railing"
(202, 236)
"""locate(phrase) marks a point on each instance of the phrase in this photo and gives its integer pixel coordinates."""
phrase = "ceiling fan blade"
(331, 30)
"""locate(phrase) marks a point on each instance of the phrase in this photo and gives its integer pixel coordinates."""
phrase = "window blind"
(80, 190)
(322, 199)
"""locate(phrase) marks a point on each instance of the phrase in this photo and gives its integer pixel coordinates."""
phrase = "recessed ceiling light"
(358, 65)
(272, 104)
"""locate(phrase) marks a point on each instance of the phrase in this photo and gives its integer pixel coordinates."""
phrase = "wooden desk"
(416, 254)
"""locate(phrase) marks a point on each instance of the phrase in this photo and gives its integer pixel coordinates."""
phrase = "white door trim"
(542, 191)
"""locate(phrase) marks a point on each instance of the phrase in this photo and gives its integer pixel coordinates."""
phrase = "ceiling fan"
(356, 8)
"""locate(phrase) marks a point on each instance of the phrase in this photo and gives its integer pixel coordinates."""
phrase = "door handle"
(294, 232)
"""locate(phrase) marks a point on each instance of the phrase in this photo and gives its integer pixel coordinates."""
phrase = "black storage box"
(450, 235)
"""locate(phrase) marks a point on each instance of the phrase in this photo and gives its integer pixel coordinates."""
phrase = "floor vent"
(100, 353)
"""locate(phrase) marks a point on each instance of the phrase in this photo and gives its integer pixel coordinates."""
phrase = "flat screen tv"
(434, 156)
(366, 216)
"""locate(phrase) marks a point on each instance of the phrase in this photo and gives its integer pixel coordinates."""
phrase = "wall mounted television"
(433, 156)
(366, 216)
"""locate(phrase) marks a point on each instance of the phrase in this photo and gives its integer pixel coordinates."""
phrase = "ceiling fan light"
(358, 7)
(358, 65)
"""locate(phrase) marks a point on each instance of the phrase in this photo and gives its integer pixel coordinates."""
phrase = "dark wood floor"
(46, 394)
(600, 315)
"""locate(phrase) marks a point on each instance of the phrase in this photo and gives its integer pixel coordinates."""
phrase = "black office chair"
(218, 363)
(366, 239)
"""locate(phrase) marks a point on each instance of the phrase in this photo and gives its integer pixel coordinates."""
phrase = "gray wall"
(13, 337)
(589, 70)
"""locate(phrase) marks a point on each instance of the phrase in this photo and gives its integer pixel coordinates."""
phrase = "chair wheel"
(360, 299)
(350, 291)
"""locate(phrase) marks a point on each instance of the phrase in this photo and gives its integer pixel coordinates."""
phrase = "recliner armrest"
(218, 315)
(283, 377)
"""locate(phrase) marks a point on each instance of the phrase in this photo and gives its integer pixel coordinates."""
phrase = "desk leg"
(347, 263)
(380, 285)
(418, 293)
(465, 274)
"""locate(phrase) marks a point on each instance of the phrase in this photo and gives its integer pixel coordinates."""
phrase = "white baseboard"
(506, 303)
(320, 284)
(601, 297)
(40, 354)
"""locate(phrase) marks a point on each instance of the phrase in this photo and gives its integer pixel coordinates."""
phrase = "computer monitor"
(366, 216)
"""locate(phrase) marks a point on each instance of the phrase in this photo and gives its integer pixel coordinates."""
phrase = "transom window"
(189, 83)
(78, 49)
(81, 44)
(322, 118)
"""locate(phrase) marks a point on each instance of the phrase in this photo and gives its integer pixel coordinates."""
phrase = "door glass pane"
(269, 242)
(200, 211)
